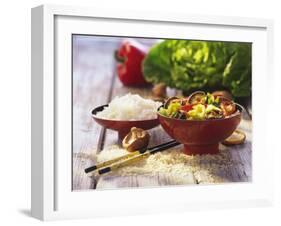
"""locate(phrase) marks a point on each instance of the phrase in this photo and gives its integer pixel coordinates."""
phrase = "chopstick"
(103, 164)
(118, 165)
(118, 162)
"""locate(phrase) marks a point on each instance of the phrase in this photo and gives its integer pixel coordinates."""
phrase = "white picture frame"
(52, 197)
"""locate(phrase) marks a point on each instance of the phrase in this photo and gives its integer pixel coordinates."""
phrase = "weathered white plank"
(91, 84)
(82, 158)
(110, 182)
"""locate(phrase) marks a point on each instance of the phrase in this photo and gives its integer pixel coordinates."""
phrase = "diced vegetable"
(198, 106)
(211, 107)
(198, 112)
(173, 107)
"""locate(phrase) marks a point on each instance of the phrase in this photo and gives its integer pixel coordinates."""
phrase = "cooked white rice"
(130, 107)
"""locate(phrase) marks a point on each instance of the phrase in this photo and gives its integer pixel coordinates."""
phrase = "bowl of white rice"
(127, 111)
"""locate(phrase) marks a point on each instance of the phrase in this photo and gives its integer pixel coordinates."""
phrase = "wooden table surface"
(95, 83)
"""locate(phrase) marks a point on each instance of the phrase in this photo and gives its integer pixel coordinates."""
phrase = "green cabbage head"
(200, 65)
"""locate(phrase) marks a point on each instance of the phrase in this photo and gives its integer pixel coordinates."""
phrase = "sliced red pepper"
(187, 107)
(129, 67)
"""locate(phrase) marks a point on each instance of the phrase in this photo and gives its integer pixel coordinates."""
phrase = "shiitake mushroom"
(159, 90)
(237, 137)
(198, 97)
(166, 104)
(222, 94)
(228, 107)
(136, 139)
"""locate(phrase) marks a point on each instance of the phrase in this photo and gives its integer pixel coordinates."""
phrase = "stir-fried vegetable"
(198, 106)
(198, 112)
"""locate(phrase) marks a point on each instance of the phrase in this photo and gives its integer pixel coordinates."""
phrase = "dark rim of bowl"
(101, 107)
(209, 120)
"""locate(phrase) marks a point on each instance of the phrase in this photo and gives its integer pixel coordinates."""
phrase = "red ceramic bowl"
(200, 137)
(123, 127)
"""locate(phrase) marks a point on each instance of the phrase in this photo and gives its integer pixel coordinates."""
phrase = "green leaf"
(200, 65)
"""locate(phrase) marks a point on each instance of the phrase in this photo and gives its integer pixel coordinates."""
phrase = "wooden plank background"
(95, 83)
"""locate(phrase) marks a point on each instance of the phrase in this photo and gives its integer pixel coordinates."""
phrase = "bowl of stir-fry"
(200, 121)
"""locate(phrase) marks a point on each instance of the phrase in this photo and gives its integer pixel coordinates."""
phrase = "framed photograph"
(137, 112)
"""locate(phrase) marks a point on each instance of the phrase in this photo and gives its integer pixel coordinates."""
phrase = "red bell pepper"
(187, 107)
(129, 63)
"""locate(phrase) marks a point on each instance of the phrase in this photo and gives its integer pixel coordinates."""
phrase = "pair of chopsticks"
(111, 165)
